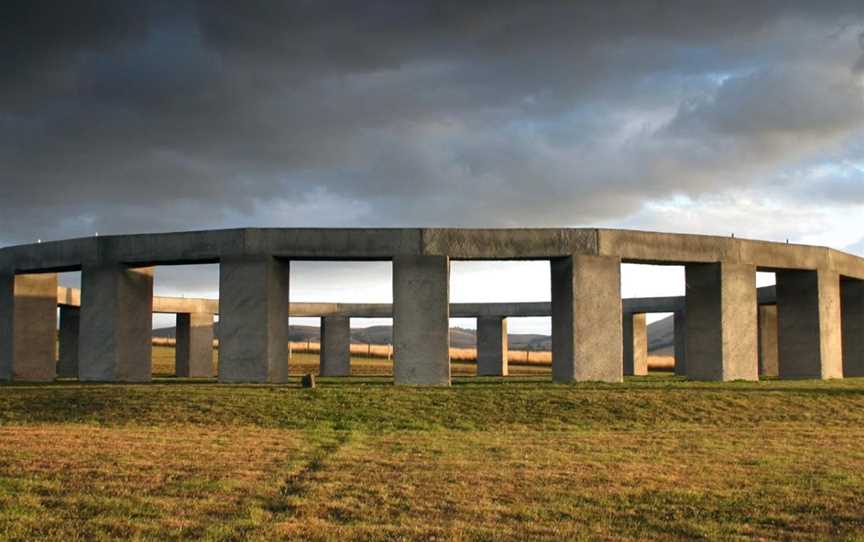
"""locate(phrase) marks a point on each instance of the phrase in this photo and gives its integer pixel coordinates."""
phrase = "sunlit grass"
(517, 458)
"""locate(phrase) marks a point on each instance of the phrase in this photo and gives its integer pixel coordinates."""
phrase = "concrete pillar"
(194, 349)
(808, 324)
(253, 319)
(70, 323)
(721, 324)
(635, 345)
(421, 320)
(492, 346)
(769, 354)
(335, 346)
(116, 324)
(28, 327)
(680, 322)
(853, 327)
(586, 319)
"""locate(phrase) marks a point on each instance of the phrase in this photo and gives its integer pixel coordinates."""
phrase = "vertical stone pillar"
(808, 324)
(7, 323)
(680, 323)
(853, 327)
(70, 323)
(635, 345)
(253, 319)
(721, 332)
(28, 327)
(768, 352)
(335, 346)
(421, 320)
(194, 348)
(492, 346)
(586, 319)
(116, 323)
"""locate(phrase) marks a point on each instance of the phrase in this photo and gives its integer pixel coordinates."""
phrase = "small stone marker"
(308, 381)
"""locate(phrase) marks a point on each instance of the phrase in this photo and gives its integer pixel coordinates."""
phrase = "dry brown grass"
(147, 482)
(516, 459)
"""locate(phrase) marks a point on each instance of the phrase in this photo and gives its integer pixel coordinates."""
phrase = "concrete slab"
(421, 312)
(809, 324)
(70, 324)
(253, 320)
(116, 324)
(335, 346)
(492, 346)
(586, 319)
(680, 323)
(635, 331)
(721, 328)
(852, 293)
(194, 348)
(28, 327)
(769, 353)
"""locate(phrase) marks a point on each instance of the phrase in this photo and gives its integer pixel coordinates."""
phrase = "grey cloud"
(178, 115)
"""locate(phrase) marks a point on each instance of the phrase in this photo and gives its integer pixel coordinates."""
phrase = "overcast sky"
(744, 117)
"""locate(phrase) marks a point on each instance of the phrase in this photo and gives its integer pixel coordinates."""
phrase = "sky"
(733, 117)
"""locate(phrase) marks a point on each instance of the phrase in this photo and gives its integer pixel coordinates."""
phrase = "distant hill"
(660, 336)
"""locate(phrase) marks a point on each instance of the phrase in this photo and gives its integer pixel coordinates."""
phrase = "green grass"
(488, 459)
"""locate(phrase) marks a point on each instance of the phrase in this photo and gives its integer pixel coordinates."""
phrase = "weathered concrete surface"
(253, 320)
(67, 255)
(421, 313)
(661, 248)
(503, 244)
(635, 330)
(852, 297)
(769, 353)
(28, 327)
(586, 319)
(116, 324)
(680, 323)
(492, 346)
(809, 328)
(193, 354)
(7, 323)
(681, 249)
(383, 244)
(848, 265)
(721, 321)
(70, 324)
(335, 243)
(335, 346)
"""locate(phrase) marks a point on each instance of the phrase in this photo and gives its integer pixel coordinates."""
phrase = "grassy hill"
(488, 459)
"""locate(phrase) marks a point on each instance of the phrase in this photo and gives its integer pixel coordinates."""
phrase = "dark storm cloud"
(178, 115)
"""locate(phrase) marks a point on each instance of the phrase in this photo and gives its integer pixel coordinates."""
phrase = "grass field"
(488, 459)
